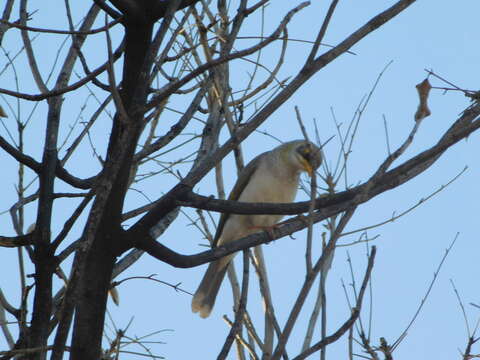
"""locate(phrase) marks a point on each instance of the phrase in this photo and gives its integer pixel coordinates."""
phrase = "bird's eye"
(305, 152)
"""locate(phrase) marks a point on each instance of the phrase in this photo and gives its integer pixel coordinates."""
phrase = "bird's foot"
(270, 230)
(303, 218)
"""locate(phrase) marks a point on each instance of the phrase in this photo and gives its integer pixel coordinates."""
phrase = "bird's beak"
(308, 168)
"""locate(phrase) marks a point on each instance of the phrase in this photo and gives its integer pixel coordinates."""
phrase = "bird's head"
(304, 155)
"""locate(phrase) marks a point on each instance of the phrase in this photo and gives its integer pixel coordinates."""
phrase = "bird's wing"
(242, 181)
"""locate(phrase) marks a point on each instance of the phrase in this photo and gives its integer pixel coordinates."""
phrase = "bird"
(271, 177)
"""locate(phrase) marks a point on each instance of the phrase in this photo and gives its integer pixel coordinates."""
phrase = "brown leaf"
(423, 90)
(114, 295)
(2, 112)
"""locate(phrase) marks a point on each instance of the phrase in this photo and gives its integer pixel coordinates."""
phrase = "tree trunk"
(107, 242)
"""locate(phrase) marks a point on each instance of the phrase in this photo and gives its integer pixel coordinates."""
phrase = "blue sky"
(431, 34)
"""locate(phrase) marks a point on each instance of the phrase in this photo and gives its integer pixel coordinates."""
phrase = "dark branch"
(16, 241)
(48, 94)
(322, 31)
(35, 166)
(102, 5)
(167, 203)
(171, 88)
(73, 180)
(326, 206)
(135, 11)
(247, 208)
(64, 32)
(175, 129)
(19, 156)
(175, 259)
(159, 8)
(461, 129)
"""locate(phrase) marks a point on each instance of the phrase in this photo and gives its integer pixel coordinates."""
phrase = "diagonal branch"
(371, 25)
(19, 156)
(138, 235)
(175, 129)
(461, 129)
(35, 166)
(174, 86)
(326, 206)
(322, 31)
(167, 203)
(7, 10)
(110, 11)
(48, 94)
(32, 59)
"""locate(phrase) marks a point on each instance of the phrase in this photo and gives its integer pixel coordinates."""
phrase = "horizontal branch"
(66, 89)
(16, 241)
(325, 206)
(175, 259)
(62, 32)
(196, 201)
(462, 128)
(170, 199)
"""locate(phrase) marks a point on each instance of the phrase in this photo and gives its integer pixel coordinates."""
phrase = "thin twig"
(396, 216)
(63, 32)
(460, 303)
(175, 287)
(424, 299)
(321, 33)
(349, 323)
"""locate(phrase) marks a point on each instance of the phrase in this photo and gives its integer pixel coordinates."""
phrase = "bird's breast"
(264, 186)
(267, 187)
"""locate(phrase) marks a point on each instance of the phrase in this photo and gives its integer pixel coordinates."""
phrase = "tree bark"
(96, 272)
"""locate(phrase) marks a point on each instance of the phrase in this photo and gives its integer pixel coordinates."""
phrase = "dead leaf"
(423, 90)
(114, 295)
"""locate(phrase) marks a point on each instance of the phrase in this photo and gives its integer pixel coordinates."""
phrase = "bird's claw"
(270, 230)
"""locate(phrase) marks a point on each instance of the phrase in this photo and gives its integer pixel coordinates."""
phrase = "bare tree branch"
(240, 311)
(355, 313)
(326, 206)
(66, 89)
(64, 32)
(16, 241)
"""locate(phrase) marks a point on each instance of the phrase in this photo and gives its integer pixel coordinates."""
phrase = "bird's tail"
(207, 291)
